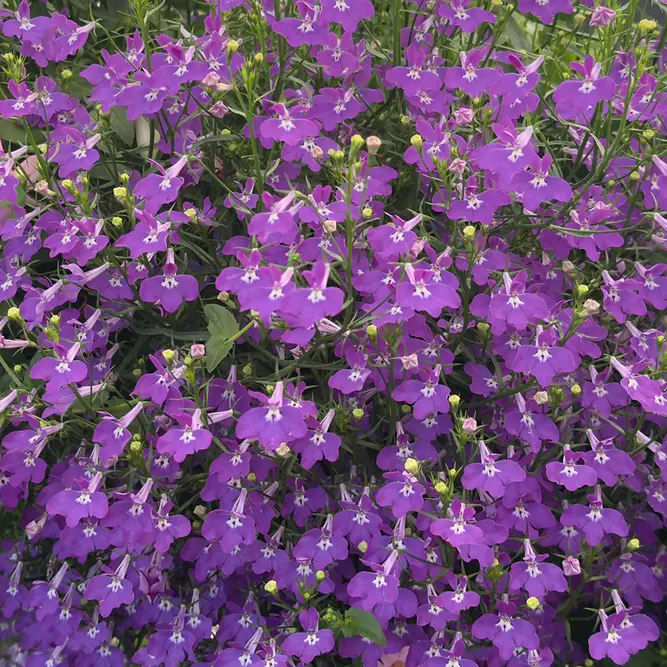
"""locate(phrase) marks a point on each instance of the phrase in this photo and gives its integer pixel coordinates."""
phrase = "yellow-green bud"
(441, 487)
(588, 662)
(269, 388)
(647, 26)
(137, 372)
(453, 472)
(634, 176)
(582, 290)
(8, 57)
(224, 297)
(633, 544)
(18, 368)
(14, 314)
(532, 603)
(469, 232)
(136, 446)
(136, 436)
(168, 355)
(483, 327)
(232, 47)
(226, 131)
(357, 142)
(454, 400)
(67, 184)
(200, 511)
(405, 121)
(648, 134)
(191, 213)
(124, 178)
(372, 331)
(116, 221)
(357, 413)
(363, 547)
(406, 409)
(271, 587)
(55, 320)
(66, 74)
(417, 141)
(247, 370)
(320, 575)
(575, 389)
(660, 339)
(412, 466)
(120, 193)
(367, 213)
(579, 19)
(252, 478)
(259, 58)
(373, 144)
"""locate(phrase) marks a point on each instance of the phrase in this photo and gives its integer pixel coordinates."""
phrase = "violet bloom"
(143, 97)
(162, 188)
(113, 433)
(188, 437)
(544, 359)
(318, 443)
(601, 395)
(413, 79)
(321, 546)
(473, 79)
(156, 386)
(569, 473)
(311, 643)
(506, 632)
(491, 475)
(307, 28)
(62, 370)
(403, 493)
(536, 186)
(230, 528)
(111, 590)
(148, 236)
(595, 520)
(545, 10)
(266, 294)
(459, 530)
(171, 289)
(514, 306)
(531, 426)
(352, 379)
(461, 15)
(509, 155)
(287, 127)
(277, 223)
(77, 154)
(642, 388)
(168, 528)
(478, 206)
(274, 424)
(394, 239)
(460, 598)
(76, 505)
(535, 576)
(608, 462)
(614, 642)
(348, 15)
(421, 292)
(310, 305)
(426, 395)
(377, 587)
(575, 97)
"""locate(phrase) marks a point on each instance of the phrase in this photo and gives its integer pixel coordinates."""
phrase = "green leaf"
(10, 131)
(121, 125)
(517, 35)
(360, 622)
(223, 327)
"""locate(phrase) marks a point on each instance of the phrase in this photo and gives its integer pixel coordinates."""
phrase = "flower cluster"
(333, 333)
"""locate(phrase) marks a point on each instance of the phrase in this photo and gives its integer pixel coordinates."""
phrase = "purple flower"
(491, 475)
(545, 11)
(377, 587)
(460, 529)
(288, 127)
(427, 291)
(311, 643)
(395, 239)
(570, 474)
(514, 306)
(148, 236)
(162, 188)
(171, 289)
(76, 505)
(595, 520)
(230, 528)
(319, 443)
(61, 370)
(277, 224)
(574, 98)
(470, 77)
(535, 576)
(77, 154)
(348, 15)
(426, 395)
(403, 493)
(536, 186)
(413, 79)
(111, 590)
(461, 15)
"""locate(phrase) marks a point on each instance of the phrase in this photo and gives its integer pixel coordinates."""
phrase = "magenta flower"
(491, 475)
(595, 520)
(61, 370)
(574, 98)
(171, 289)
(289, 126)
(163, 188)
(111, 590)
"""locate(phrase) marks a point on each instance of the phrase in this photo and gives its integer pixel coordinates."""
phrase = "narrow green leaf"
(360, 622)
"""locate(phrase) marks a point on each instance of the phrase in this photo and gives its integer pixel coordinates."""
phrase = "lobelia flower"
(649, 393)
(131, 518)
(461, 15)
(512, 305)
(602, 16)
(611, 641)
(170, 646)
(348, 15)
(394, 239)
(230, 528)
(607, 461)
(509, 155)
(288, 128)
(61, 370)
(187, 438)
(12, 594)
(603, 396)
(156, 386)
(308, 28)
(311, 643)
(535, 576)
(171, 289)
(149, 236)
(274, 424)
(111, 590)
(377, 587)
(594, 520)
(426, 395)
(536, 186)
(403, 493)
(491, 475)
(113, 433)
(531, 427)
(77, 153)
(574, 98)
(321, 546)
(163, 188)
(76, 505)
(471, 77)
(318, 443)
(277, 223)
(460, 529)
(545, 10)
(413, 79)
(621, 298)
(506, 632)
(570, 474)
(421, 292)
(44, 595)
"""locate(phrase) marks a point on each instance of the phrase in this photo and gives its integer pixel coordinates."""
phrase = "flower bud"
(602, 16)
(320, 576)
(124, 178)
(17, 368)
(647, 26)
(633, 544)
(224, 297)
(571, 566)
(412, 466)
(247, 371)
(441, 488)
(55, 320)
(373, 144)
(372, 331)
(575, 389)
(120, 193)
(541, 397)
(200, 511)
(363, 547)
(232, 47)
(67, 74)
(259, 58)
(168, 355)
(591, 307)
(14, 314)
(330, 226)
(357, 142)
(469, 232)
(252, 477)
(469, 425)
(367, 213)
(357, 413)
(197, 351)
(648, 134)
(116, 221)
(579, 19)
(405, 121)
(532, 603)
(567, 266)
(634, 176)
(283, 451)
(406, 409)
(191, 213)
(271, 587)
(417, 141)
(582, 290)
(483, 327)
(454, 400)
(68, 184)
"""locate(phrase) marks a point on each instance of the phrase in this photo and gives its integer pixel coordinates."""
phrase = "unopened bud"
(200, 511)
(120, 193)
(454, 400)
(405, 121)
(363, 547)
(634, 176)
(571, 566)
(648, 134)
(647, 26)
(191, 213)
(252, 478)
(567, 266)
(197, 351)
(367, 213)
(259, 58)
(67, 74)
(582, 290)
(357, 142)
(124, 178)
(271, 587)
(14, 314)
(469, 425)
(136, 446)
(55, 320)
(232, 47)
(417, 141)
(330, 226)
(247, 371)
(633, 544)
(411, 466)
(469, 232)
(575, 389)
(168, 355)
(357, 413)
(591, 307)
(541, 397)
(372, 331)
(116, 221)
(373, 144)
(483, 327)
(441, 488)
(320, 576)
(532, 603)
(283, 451)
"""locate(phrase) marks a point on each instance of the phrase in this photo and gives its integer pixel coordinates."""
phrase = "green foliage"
(223, 329)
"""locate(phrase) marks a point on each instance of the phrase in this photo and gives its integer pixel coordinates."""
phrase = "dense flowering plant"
(333, 332)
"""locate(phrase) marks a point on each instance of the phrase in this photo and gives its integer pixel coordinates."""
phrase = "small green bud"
(367, 213)
(372, 331)
(168, 355)
(124, 178)
(14, 314)
(648, 134)
(320, 576)
(441, 488)
(120, 193)
(271, 587)
(412, 466)
(633, 544)
(252, 478)
(116, 221)
(55, 320)
(647, 26)
(532, 603)
(66, 74)
(357, 413)
(232, 47)
(259, 58)
(454, 400)
(575, 389)
(357, 142)
(634, 176)
(18, 368)
(469, 232)
(405, 121)
(582, 290)
(363, 547)
(417, 141)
